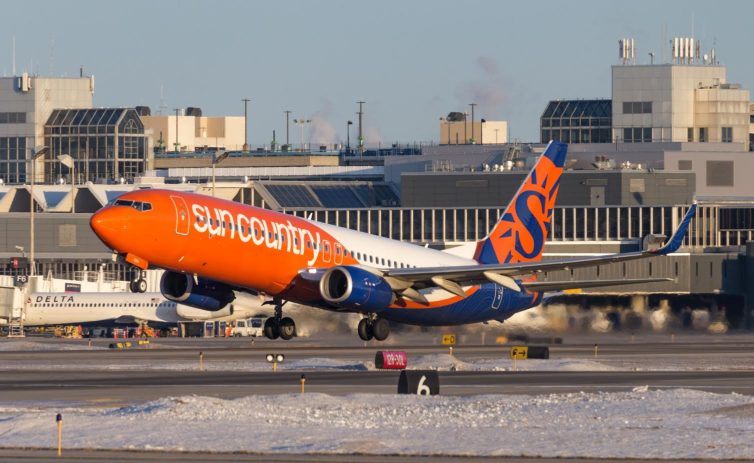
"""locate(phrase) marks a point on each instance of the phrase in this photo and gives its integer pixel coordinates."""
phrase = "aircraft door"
(182, 220)
(326, 251)
(338, 254)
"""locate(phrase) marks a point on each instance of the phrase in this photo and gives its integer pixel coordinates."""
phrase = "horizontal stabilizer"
(545, 286)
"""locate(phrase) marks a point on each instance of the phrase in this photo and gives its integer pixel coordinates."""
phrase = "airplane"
(44, 309)
(210, 247)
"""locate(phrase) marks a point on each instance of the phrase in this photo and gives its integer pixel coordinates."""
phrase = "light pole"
(465, 127)
(472, 122)
(361, 131)
(68, 161)
(245, 124)
(216, 158)
(38, 151)
(496, 131)
(301, 123)
(348, 137)
(177, 143)
(287, 128)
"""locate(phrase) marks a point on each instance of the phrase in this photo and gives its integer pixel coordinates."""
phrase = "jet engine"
(356, 288)
(202, 294)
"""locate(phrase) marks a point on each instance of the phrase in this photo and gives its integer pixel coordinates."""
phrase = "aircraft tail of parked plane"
(211, 248)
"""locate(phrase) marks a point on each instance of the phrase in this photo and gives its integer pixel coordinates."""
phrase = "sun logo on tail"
(520, 234)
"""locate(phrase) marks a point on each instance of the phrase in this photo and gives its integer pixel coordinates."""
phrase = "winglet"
(674, 243)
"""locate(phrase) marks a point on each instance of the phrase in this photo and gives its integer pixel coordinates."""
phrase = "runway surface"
(117, 456)
(171, 367)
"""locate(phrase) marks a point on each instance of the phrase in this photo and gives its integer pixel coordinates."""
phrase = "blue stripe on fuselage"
(490, 302)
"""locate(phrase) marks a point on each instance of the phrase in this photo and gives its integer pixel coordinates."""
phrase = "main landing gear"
(278, 326)
(139, 283)
(373, 327)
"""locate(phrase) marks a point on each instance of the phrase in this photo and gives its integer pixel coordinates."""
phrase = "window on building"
(12, 118)
(92, 137)
(685, 165)
(637, 135)
(637, 107)
(719, 173)
(690, 136)
(577, 121)
(703, 134)
(726, 134)
(736, 218)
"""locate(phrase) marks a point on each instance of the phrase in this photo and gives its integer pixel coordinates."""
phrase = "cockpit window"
(138, 205)
(123, 202)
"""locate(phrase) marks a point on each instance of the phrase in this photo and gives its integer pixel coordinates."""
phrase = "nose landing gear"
(139, 283)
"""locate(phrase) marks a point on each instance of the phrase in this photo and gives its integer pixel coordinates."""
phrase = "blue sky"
(411, 61)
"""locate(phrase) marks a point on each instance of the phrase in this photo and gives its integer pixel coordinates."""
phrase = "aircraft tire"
(380, 329)
(271, 329)
(141, 285)
(287, 328)
(132, 286)
(365, 330)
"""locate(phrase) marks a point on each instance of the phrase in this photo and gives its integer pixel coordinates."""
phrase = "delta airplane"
(211, 247)
(43, 309)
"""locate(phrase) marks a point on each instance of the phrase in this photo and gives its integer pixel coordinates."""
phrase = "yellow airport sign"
(519, 352)
(449, 339)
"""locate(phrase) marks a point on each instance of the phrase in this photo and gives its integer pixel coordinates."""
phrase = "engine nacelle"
(205, 295)
(356, 288)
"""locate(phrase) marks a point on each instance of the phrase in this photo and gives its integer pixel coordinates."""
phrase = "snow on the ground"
(7, 345)
(640, 424)
(446, 362)
(441, 362)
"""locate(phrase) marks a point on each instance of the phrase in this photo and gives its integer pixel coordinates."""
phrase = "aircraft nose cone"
(108, 224)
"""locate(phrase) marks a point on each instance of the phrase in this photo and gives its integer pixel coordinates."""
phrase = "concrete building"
(678, 103)
(457, 129)
(195, 132)
(686, 100)
(26, 103)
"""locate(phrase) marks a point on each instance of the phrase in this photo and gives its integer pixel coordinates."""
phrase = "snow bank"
(446, 362)
(9, 345)
(639, 424)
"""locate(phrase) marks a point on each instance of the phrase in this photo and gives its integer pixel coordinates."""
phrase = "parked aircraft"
(42, 309)
(210, 247)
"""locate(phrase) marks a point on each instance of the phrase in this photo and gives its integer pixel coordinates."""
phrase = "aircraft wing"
(452, 278)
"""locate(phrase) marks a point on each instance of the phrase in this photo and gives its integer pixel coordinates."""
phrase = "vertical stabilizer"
(520, 234)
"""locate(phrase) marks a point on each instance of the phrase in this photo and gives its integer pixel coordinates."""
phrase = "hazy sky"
(412, 61)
